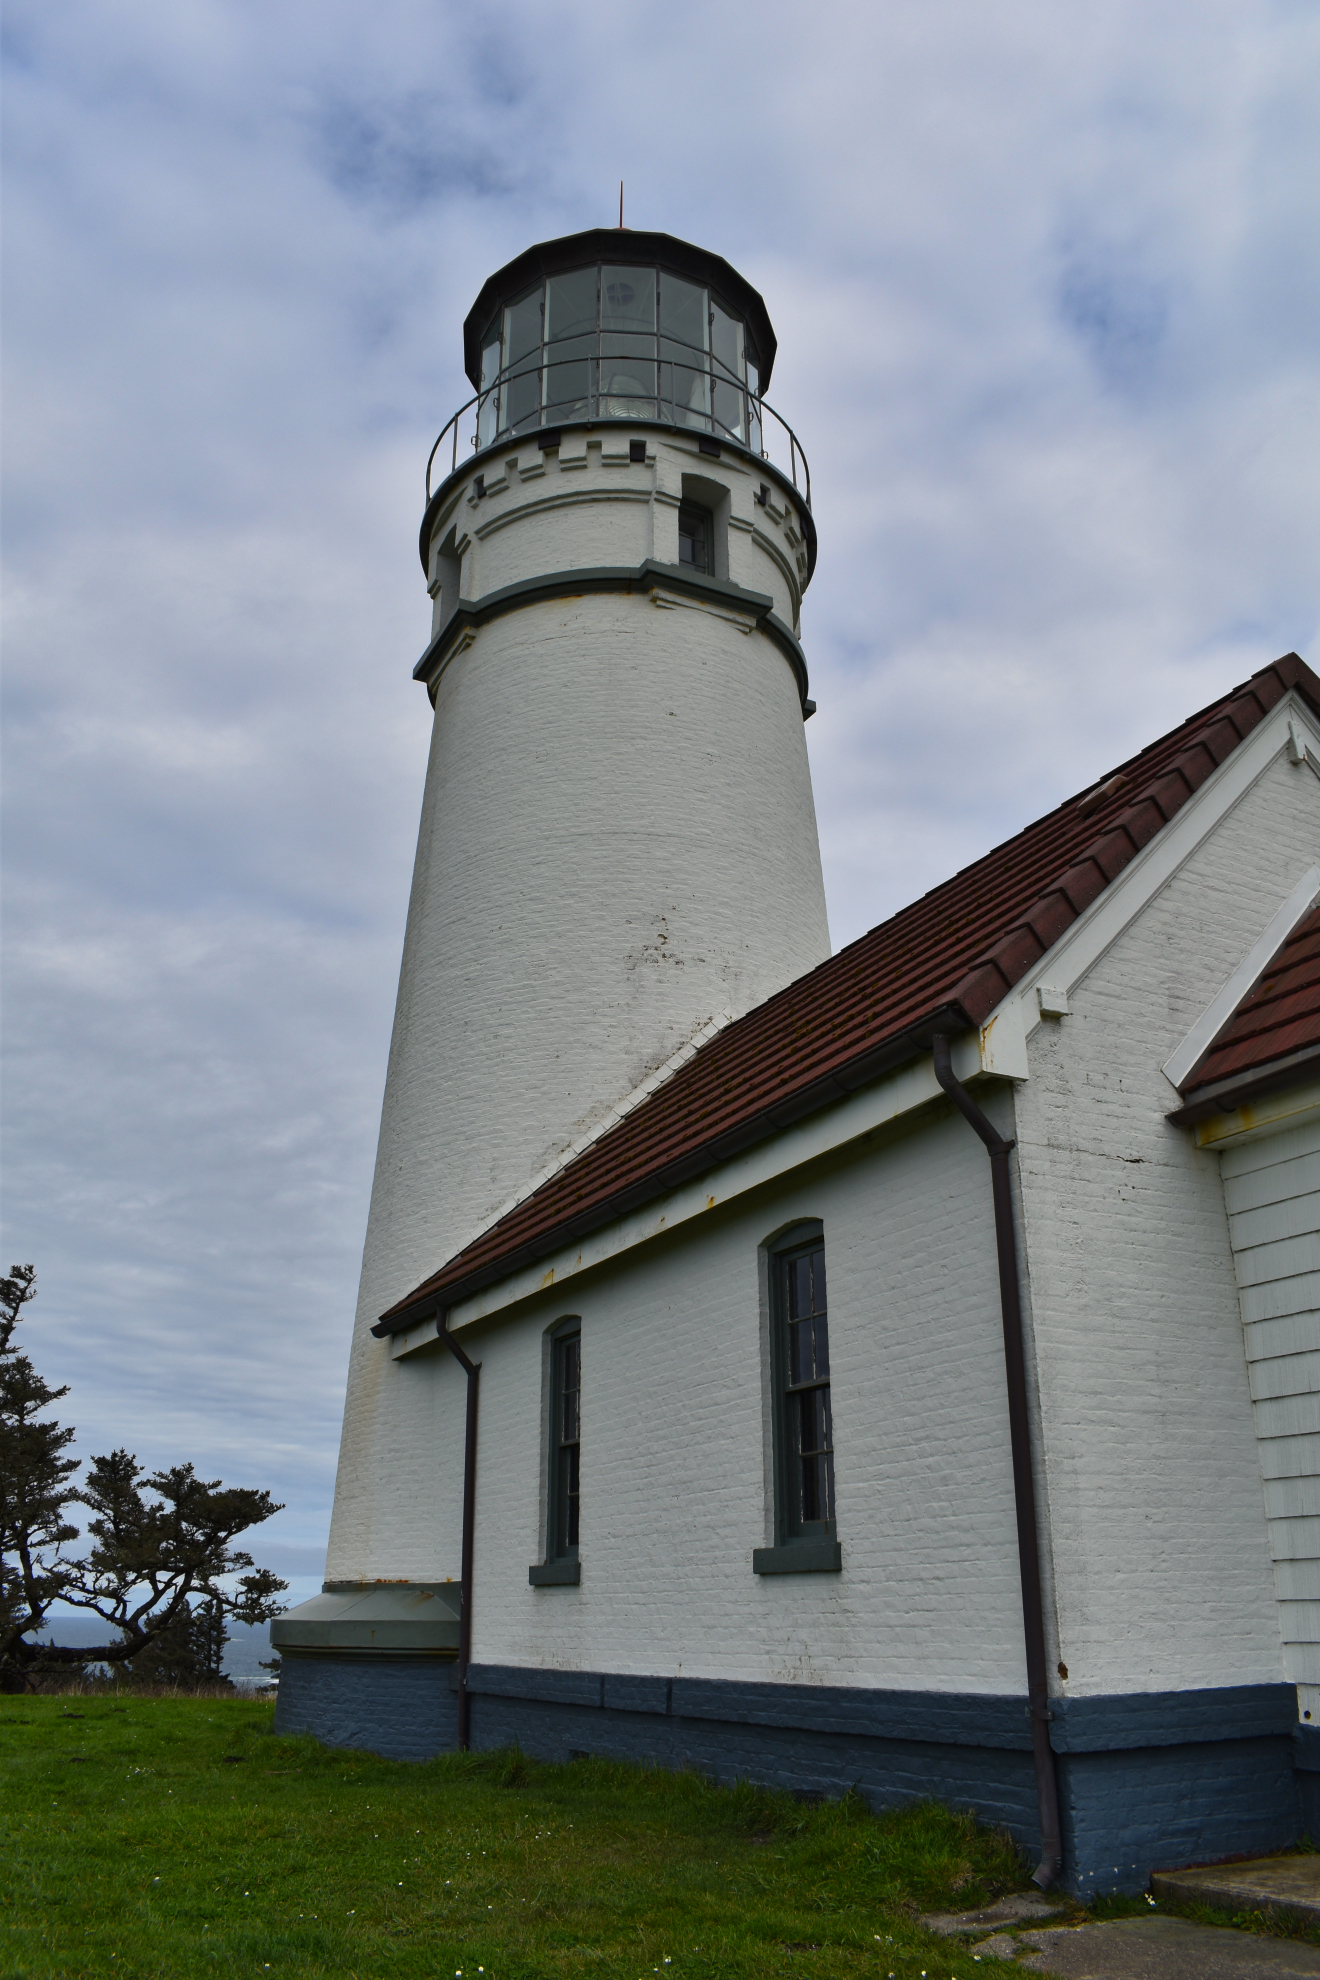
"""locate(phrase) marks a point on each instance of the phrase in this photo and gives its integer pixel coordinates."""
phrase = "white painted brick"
(1159, 1546)
(617, 846)
(674, 1444)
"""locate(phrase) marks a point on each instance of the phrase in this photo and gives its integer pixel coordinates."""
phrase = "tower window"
(695, 538)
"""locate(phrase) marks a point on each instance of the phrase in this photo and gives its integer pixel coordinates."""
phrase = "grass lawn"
(179, 1836)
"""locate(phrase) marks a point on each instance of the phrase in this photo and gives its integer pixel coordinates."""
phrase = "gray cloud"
(1045, 286)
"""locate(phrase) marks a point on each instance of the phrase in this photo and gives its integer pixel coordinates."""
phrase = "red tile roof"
(943, 963)
(1277, 1019)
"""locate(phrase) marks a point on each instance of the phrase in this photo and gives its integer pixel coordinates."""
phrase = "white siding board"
(1250, 1189)
(1288, 1416)
(1285, 1375)
(1297, 1581)
(1250, 1158)
(1293, 1497)
(1294, 1216)
(1268, 1302)
(1303, 1661)
(1295, 1539)
(1293, 1333)
(1290, 1457)
(1272, 1194)
(1264, 1264)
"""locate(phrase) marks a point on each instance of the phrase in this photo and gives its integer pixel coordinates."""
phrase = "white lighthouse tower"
(618, 846)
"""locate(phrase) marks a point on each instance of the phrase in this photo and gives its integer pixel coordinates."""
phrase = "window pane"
(489, 407)
(726, 344)
(627, 299)
(627, 343)
(807, 1418)
(694, 528)
(520, 394)
(729, 406)
(570, 305)
(522, 327)
(572, 1498)
(570, 331)
(684, 340)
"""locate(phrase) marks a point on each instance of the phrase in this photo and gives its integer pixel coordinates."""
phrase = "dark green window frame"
(560, 1567)
(806, 1522)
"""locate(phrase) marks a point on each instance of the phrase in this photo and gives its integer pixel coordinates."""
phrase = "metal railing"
(586, 403)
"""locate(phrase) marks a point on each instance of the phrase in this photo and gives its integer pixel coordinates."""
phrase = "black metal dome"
(626, 247)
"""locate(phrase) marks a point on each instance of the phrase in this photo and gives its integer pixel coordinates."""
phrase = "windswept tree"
(36, 1486)
(161, 1571)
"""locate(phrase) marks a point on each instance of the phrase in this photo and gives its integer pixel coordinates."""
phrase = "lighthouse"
(617, 851)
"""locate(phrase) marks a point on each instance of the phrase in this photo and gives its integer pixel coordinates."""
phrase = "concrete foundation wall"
(1162, 1780)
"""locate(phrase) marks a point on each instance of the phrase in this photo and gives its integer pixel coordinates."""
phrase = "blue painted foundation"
(400, 1707)
(1147, 1781)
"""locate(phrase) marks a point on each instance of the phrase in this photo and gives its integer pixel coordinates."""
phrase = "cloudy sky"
(1046, 284)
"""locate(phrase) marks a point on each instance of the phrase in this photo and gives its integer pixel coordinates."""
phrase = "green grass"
(180, 1836)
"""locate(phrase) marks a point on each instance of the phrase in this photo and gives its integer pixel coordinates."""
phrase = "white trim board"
(1087, 940)
(1257, 959)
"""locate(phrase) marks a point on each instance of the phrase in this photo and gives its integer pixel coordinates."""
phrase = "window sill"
(555, 1574)
(799, 1557)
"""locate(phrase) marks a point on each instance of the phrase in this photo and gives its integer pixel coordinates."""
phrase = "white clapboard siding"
(1272, 1192)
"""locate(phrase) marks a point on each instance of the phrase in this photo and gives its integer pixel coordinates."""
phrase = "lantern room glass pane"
(570, 335)
(754, 439)
(488, 411)
(627, 343)
(520, 396)
(684, 379)
(726, 345)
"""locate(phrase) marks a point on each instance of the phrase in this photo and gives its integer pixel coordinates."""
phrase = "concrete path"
(1123, 1949)
(1153, 1949)
(1267, 1883)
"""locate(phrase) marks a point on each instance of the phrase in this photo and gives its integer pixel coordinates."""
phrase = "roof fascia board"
(1257, 959)
(1088, 939)
(888, 1099)
(1274, 1113)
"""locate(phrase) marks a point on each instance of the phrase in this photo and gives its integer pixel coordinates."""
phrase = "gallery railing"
(567, 400)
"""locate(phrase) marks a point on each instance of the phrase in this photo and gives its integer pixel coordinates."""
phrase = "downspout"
(1024, 1488)
(472, 1369)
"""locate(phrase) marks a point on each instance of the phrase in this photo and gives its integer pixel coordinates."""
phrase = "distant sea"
(247, 1649)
